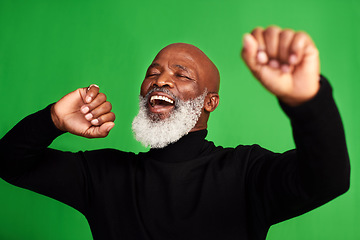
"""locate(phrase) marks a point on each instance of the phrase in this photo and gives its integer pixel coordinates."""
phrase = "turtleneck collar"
(186, 148)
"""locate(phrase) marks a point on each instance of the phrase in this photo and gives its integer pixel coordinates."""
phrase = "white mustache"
(164, 90)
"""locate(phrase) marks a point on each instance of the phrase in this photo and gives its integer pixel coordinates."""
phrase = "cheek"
(189, 91)
(144, 87)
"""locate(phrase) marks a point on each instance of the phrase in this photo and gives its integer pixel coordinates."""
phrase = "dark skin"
(186, 72)
(285, 62)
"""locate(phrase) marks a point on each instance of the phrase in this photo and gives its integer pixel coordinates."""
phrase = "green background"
(49, 48)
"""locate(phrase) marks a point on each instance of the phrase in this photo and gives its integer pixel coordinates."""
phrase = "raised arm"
(287, 64)
(26, 161)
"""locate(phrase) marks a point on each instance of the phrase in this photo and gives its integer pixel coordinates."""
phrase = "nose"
(163, 80)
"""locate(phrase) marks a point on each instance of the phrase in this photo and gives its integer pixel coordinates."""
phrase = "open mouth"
(160, 102)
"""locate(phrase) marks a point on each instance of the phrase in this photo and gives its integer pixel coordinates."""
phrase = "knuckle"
(271, 31)
(92, 93)
(257, 30)
(302, 34)
(286, 33)
(113, 117)
(108, 105)
(301, 37)
(258, 35)
(102, 96)
(274, 27)
(298, 43)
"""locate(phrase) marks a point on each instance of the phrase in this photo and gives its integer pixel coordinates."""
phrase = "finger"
(99, 99)
(258, 35)
(271, 39)
(249, 51)
(298, 46)
(285, 39)
(108, 117)
(261, 56)
(100, 110)
(91, 93)
(286, 68)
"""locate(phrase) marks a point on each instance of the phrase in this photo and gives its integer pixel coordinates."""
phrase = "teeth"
(163, 98)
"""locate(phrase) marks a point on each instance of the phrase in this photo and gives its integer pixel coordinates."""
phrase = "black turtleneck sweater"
(190, 189)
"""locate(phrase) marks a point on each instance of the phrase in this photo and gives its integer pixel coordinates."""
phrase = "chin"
(159, 116)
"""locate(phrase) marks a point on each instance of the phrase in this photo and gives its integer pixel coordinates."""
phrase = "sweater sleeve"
(27, 162)
(318, 170)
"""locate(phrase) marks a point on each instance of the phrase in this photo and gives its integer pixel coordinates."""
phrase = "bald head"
(208, 73)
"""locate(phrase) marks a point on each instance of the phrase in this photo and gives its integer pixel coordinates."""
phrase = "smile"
(162, 100)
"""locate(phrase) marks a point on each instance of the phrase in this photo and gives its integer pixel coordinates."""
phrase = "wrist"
(55, 119)
(297, 100)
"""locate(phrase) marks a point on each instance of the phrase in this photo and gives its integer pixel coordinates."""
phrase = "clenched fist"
(84, 112)
(284, 61)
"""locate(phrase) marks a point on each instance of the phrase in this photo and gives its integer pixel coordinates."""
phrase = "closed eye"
(183, 76)
(152, 74)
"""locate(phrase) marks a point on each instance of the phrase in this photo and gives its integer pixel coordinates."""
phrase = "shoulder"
(108, 153)
(107, 157)
(241, 151)
(248, 157)
(239, 155)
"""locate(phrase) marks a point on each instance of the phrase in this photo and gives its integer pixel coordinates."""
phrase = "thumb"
(100, 131)
(249, 51)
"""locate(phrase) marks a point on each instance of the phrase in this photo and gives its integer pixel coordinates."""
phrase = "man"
(185, 187)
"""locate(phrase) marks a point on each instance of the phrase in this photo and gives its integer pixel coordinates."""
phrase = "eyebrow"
(154, 65)
(181, 67)
(189, 71)
(175, 65)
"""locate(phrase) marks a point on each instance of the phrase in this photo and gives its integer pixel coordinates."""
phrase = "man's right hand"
(84, 112)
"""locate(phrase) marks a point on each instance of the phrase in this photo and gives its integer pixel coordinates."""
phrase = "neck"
(186, 148)
(201, 123)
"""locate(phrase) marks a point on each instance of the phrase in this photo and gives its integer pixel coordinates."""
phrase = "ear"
(211, 102)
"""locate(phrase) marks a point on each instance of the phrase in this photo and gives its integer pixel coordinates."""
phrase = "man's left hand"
(284, 61)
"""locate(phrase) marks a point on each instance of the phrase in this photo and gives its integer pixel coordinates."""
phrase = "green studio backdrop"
(49, 48)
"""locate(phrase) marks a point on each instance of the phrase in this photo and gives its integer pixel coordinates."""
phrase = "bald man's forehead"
(186, 55)
(185, 50)
(176, 59)
(184, 46)
(176, 54)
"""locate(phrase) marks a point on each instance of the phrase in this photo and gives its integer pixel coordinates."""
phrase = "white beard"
(152, 131)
